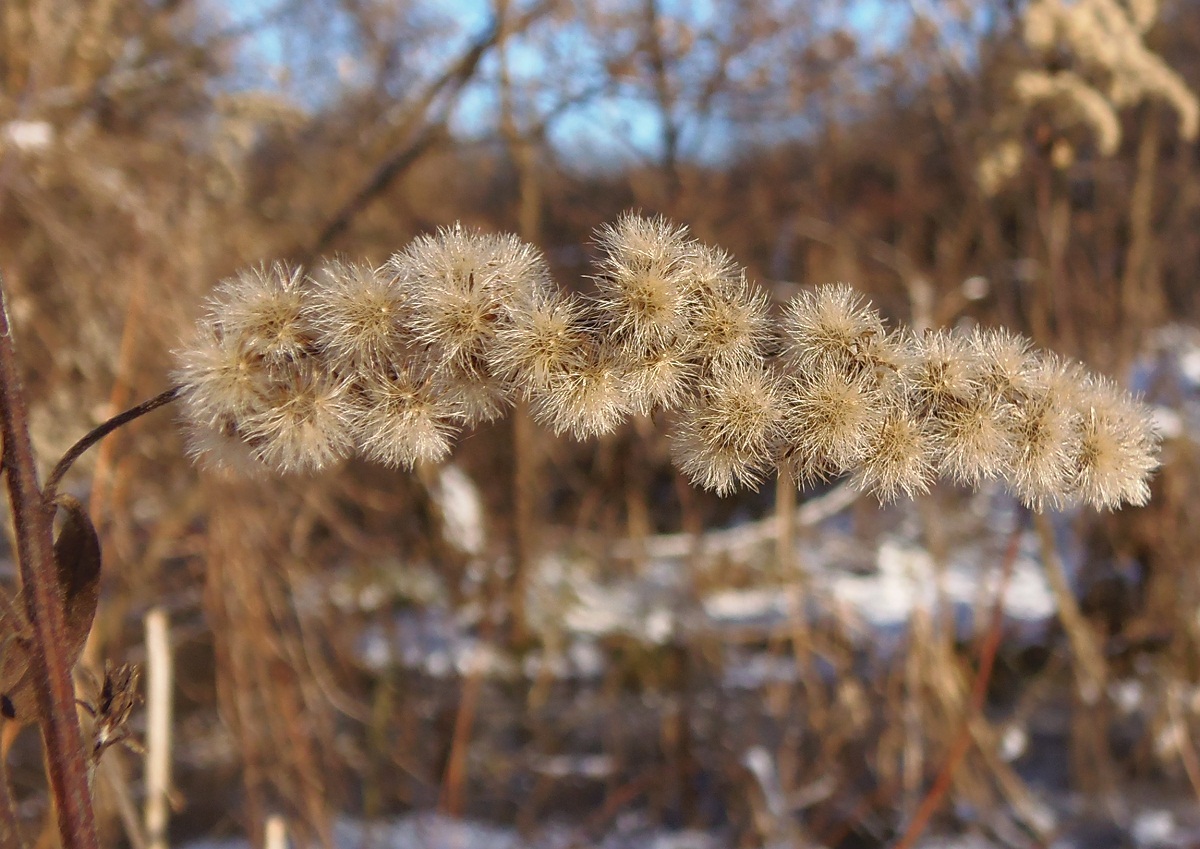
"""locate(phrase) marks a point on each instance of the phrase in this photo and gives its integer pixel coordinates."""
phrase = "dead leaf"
(117, 697)
(77, 562)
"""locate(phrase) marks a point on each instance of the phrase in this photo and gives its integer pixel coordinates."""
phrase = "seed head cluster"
(296, 371)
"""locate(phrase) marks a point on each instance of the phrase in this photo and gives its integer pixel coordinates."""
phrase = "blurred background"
(558, 644)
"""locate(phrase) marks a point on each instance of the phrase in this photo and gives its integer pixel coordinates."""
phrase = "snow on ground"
(576, 600)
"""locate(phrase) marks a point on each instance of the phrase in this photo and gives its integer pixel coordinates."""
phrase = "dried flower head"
(304, 424)
(725, 435)
(645, 283)
(220, 447)
(943, 373)
(223, 384)
(833, 419)
(540, 340)
(1006, 365)
(460, 282)
(262, 310)
(400, 422)
(588, 398)
(729, 321)
(358, 315)
(471, 389)
(901, 458)
(972, 438)
(1045, 431)
(222, 377)
(1118, 447)
(832, 325)
(654, 377)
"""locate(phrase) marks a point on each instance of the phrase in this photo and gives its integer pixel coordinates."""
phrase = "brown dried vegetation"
(141, 162)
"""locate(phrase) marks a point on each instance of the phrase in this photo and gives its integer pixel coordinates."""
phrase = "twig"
(428, 136)
(454, 780)
(102, 430)
(987, 657)
(66, 763)
(1091, 672)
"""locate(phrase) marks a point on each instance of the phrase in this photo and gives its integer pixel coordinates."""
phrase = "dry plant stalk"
(49, 664)
(160, 682)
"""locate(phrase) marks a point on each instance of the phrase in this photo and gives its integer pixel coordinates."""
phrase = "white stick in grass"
(160, 679)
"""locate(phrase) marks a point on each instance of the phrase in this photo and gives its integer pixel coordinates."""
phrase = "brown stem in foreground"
(65, 760)
(962, 743)
(99, 432)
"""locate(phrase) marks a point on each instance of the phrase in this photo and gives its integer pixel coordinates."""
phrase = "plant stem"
(102, 430)
(66, 764)
(159, 681)
(978, 695)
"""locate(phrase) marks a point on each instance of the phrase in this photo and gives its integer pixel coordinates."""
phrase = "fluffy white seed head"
(834, 418)
(400, 422)
(725, 435)
(471, 390)
(831, 325)
(461, 282)
(358, 316)
(218, 446)
(973, 438)
(1045, 432)
(262, 310)
(655, 378)
(1005, 363)
(304, 424)
(645, 283)
(541, 338)
(901, 458)
(221, 377)
(1118, 447)
(729, 320)
(943, 373)
(587, 398)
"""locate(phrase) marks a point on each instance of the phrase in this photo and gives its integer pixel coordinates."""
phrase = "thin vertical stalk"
(275, 836)
(1141, 300)
(526, 458)
(159, 679)
(1092, 672)
(785, 521)
(975, 700)
(49, 664)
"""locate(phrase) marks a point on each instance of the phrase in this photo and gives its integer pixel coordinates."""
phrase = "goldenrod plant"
(295, 371)
(1085, 61)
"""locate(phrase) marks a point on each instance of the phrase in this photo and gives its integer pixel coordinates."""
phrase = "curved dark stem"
(101, 431)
